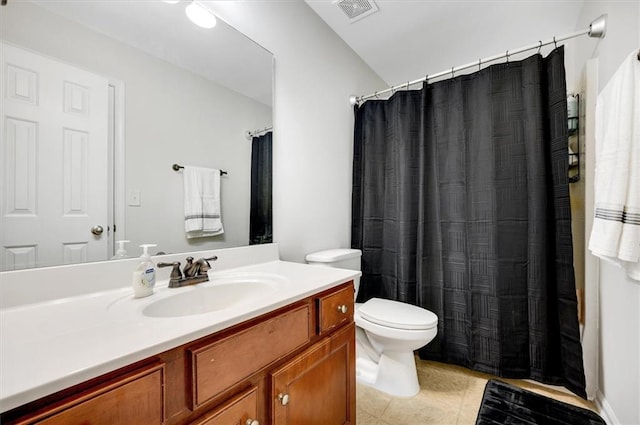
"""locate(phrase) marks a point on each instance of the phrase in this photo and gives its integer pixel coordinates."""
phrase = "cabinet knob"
(342, 308)
(284, 398)
(252, 422)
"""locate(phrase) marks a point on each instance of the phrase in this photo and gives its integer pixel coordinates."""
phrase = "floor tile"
(422, 409)
(468, 414)
(372, 401)
(448, 395)
(364, 418)
(441, 381)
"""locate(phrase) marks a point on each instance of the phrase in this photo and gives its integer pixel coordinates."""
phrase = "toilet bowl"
(387, 333)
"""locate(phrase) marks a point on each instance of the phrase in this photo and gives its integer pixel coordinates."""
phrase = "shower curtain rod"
(597, 28)
(251, 134)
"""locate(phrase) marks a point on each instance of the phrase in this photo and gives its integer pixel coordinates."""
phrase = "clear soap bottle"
(120, 252)
(144, 276)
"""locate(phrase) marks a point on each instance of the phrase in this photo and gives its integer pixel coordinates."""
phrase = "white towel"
(202, 202)
(616, 227)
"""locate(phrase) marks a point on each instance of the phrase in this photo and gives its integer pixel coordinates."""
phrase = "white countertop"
(48, 346)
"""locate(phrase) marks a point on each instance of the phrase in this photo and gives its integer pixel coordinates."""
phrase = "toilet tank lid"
(332, 255)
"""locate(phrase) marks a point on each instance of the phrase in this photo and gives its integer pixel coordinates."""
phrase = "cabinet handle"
(252, 422)
(284, 399)
(342, 308)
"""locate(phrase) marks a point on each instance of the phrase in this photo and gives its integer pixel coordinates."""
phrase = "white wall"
(315, 72)
(172, 115)
(619, 296)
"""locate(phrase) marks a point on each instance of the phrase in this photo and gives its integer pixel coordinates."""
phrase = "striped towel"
(202, 202)
(615, 236)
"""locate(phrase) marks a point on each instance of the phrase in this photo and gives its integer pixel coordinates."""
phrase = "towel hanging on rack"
(615, 235)
(202, 212)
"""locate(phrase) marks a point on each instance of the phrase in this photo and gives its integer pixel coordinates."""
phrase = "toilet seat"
(397, 315)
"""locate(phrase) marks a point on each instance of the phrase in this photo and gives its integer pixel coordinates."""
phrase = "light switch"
(134, 198)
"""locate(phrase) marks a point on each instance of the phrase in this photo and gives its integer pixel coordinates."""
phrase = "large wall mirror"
(99, 100)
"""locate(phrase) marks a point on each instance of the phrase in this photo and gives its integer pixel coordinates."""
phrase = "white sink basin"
(222, 292)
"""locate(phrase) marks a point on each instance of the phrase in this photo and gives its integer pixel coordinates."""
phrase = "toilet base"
(395, 373)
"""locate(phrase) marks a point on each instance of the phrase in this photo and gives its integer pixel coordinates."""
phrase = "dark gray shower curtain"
(260, 224)
(461, 206)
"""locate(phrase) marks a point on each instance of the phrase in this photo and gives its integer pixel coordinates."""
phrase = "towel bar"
(177, 167)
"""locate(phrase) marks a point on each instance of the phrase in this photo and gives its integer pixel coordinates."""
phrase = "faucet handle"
(176, 274)
(204, 266)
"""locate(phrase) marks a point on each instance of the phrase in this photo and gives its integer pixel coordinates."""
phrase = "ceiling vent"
(356, 9)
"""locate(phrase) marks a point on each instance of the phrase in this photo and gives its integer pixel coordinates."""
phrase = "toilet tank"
(341, 258)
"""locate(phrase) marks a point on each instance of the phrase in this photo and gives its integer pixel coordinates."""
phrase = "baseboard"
(605, 410)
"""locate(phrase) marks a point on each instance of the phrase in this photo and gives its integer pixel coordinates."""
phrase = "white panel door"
(54, 159)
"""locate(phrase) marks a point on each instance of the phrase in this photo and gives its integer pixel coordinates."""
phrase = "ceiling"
(408, 39)
(221, 54)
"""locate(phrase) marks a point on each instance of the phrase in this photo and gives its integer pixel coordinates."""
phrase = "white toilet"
(387, 332)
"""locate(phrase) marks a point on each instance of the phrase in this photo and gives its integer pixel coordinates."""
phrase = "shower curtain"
(260, 224)
(461, 206)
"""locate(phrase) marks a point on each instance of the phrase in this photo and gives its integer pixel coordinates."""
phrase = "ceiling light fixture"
(200, 15)
(171, 1)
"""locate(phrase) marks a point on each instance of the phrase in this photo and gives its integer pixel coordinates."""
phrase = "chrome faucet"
(191, 274)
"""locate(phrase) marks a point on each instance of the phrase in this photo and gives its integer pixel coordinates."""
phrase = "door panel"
(54, 158)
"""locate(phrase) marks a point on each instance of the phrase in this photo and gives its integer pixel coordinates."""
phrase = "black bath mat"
(505, 404)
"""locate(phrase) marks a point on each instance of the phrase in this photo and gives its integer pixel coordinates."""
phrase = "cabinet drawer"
(134, 399)
(241, 409)
(217, 366)
(335, 309)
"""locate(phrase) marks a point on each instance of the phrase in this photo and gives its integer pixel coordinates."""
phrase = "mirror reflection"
(99, 100)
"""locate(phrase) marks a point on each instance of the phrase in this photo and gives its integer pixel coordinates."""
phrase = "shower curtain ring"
(452, 74)
(540, 46)
(408, 85)
(392, 90)
(375, 94)
(554, 42)
(507, 55)
(479, 64)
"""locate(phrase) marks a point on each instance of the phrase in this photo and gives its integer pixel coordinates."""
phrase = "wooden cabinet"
(218, 365)
(335, 309)
(317, 387)
(304, 350)
(135, 398)
(240, 410)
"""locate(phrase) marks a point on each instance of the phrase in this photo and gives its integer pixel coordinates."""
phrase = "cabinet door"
(240, 410)
(318, 386)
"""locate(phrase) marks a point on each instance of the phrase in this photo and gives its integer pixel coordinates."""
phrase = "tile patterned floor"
(449, 395)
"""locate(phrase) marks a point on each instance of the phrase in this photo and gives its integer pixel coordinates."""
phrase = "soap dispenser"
(120, 252)
(144, 276)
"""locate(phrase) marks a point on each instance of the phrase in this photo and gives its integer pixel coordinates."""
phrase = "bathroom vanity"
(282, 355)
